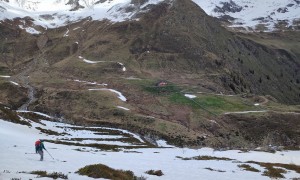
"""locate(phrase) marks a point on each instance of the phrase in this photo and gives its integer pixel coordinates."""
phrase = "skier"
(39, 146)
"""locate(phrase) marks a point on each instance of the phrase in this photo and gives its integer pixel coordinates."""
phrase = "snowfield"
(56, 13)
(248, 14)
(17, 154)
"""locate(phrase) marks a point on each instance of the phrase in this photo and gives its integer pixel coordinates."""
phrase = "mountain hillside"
(168, 71)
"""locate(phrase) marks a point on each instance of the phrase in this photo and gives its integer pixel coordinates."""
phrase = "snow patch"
(92, 62)
(123, 67)
(67, 33)
(246, 112)
(120, 95)
(39, 113)
(190, 96)
(76, 28)
(30, 30)
(89, 61)
(14, 83)
(91, 83)
(120, 107)
(163, 143)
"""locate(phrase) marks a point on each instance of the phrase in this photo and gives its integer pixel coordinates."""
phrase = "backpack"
(37, 143)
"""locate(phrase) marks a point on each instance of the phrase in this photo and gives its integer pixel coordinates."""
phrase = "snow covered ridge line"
(57, 13)
(255, 15)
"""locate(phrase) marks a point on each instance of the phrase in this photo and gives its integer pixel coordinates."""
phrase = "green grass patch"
(54, 175)
(179, 98)
(247, 167)
(211, 103)
(162, 90)
(103, 171)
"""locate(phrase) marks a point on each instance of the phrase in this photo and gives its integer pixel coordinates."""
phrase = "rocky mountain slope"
(184, 77)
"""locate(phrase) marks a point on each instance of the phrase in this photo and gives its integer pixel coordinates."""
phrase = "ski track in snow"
(16, 140)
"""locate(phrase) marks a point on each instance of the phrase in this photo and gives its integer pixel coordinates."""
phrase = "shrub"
(248, 168)
(206, 158)
(54, 175)
(156, 173)
(103, 171)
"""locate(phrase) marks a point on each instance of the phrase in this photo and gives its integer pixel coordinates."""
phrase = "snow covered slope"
(17, 156)
(55, 13)
(266, 15)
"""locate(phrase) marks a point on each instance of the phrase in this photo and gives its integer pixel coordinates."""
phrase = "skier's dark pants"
(41, 154)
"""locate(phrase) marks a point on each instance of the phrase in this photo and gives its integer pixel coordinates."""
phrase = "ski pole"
(30, 153)
(49, 154)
